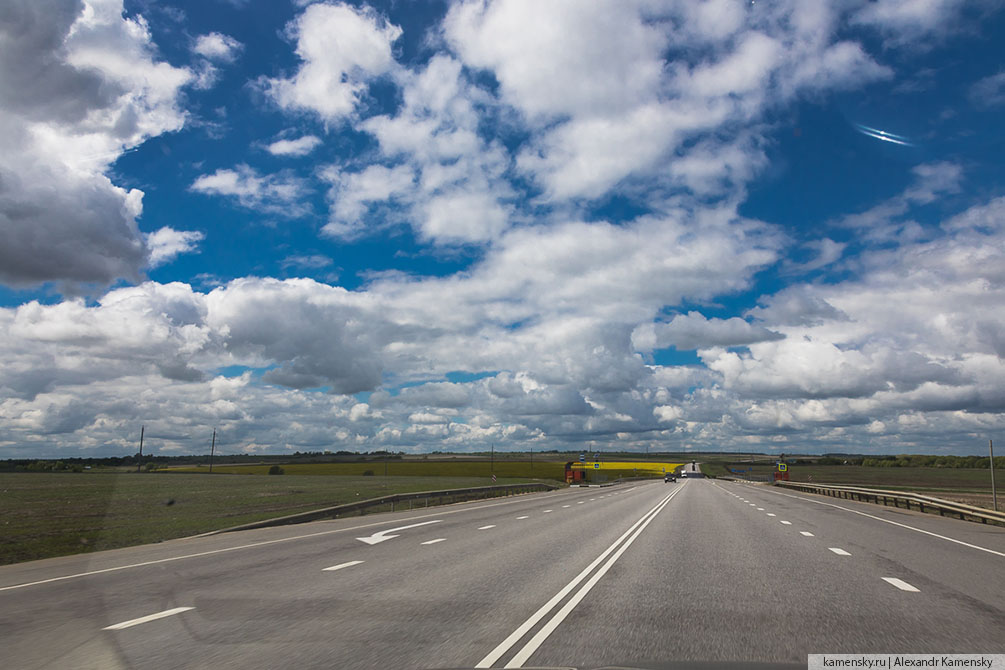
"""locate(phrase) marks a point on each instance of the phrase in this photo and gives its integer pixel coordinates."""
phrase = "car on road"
(669, 477)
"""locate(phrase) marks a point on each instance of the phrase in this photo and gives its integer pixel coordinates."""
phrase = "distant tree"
(276, 470)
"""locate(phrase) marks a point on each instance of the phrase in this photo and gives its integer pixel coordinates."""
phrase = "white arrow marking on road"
(383, 535)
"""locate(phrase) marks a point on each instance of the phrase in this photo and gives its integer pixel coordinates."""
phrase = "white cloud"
(609, 106)
(451, 179)
(905, 20)
(341, 49)
(166, 243)
(694, 331)
(298, 147)
(989, 91)
(279, 194)
(217, 47)
(79, 86)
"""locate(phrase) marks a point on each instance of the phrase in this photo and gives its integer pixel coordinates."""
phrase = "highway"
(639, 574)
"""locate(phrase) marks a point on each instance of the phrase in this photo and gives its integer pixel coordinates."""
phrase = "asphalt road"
(639, 574)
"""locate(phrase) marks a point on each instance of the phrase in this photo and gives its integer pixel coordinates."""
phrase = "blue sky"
(521, 225)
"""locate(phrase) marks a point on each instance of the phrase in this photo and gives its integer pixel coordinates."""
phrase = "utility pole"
(532, 462)
(492, 459)
(212, 450)
(994, 493)
(140, 459)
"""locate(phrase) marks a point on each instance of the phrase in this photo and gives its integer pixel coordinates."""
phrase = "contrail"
(883, 135)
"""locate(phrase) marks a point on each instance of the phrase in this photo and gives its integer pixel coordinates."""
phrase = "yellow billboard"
(641, 468)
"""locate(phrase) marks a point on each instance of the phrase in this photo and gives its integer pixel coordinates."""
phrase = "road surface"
(638, 574)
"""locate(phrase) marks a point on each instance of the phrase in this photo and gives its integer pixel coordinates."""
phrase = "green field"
(932, 479)
(45, 515)
(405, 468)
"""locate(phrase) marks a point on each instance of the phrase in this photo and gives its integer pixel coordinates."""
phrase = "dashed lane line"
(889, 521)
(145, 619)
(901, 584)
(341, 565)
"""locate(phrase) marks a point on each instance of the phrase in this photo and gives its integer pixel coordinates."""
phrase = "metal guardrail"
(445, 497)
(900, 498)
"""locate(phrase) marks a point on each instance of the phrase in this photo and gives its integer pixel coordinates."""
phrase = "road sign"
(782, 467)
(596, 466)
(582, 458)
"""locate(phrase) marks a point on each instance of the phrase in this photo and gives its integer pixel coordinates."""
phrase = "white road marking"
(523, 517)
(341, 565)
(760, 509)
(439, 539)
(752, 504)
(460, 510)
(770, 514)
(580, 502)
(145, 619)
(522, 630)
(486, 527)
(895, 523)
(901, 584)
(383, 536)
(806, 533)
(564, 506)
(545, 511)
(839, 551)
(594, 498)
(787, 523)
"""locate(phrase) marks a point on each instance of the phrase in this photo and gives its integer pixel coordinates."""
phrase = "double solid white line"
(614, 552)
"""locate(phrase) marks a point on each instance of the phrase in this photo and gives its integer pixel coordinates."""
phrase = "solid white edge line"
(145, 619)
(546, 630)
(522, 629)
(901, 584)
(256, 544)
(340, 566)
(839, 551)
(895, 523)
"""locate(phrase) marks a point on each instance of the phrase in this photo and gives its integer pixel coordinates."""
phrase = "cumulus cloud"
(298, 147)
(279, 194)
(341, 48)
(166, 243)
(694, 331)
(610, 105)
(79, 85)
(217, 47)
(450, 178)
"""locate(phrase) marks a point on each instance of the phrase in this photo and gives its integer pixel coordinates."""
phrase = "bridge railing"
(904, 499)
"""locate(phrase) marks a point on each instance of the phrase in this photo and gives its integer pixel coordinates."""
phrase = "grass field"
(950, 479)
(405, 468)
(48, 514)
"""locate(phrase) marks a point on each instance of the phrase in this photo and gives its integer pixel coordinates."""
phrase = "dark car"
(669, 478)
